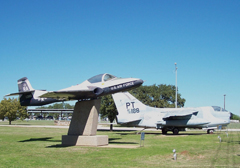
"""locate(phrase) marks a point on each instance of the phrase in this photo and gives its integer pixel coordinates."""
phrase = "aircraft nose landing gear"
(210, 131)
(175, 131)
(166, 129)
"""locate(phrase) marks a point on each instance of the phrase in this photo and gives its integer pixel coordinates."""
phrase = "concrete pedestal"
(83, 127)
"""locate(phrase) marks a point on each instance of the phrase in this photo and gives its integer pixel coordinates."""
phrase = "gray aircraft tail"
(129, 108)
(24, 85)
(29, 96)
(24, 88)
(25, 91)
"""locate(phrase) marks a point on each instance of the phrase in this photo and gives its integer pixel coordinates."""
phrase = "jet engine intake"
(97, 91)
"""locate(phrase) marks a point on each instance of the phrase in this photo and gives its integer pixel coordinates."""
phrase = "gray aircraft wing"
(175, 115)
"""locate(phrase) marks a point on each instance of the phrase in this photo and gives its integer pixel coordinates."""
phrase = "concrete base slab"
(98, 140)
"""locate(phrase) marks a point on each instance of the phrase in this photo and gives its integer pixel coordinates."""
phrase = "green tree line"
(235, 117)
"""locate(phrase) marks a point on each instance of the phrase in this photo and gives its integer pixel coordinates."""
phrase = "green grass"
(41, 147)
(29, 122)
(234, 126)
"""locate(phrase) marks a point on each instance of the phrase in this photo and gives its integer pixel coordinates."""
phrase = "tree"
(57, 106)
(12, 109)
(22, 111)
(108, 109)
(161, 96)
(2, 111)
(234, 117)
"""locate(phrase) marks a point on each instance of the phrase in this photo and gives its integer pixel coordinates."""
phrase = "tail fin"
(24, 85)
(25, 91)
(129, 108)
(28, 96)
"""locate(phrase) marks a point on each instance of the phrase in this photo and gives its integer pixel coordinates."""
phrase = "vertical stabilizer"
(129, 108)
(24, 85)
(30, 97)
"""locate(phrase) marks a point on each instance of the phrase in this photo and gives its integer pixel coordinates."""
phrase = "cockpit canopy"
(220, 109)
(101, 78)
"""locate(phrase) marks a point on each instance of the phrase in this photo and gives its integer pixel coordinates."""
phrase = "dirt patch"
(200, 157)
(184, 153)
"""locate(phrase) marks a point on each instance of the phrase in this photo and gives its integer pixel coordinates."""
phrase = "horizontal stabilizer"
(20, 93)
(184, 114)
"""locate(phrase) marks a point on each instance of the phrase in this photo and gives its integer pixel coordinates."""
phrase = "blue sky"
(57, 44)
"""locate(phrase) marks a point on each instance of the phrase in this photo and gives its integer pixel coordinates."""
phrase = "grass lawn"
(28, 122)
(234, 126)
(41, 147)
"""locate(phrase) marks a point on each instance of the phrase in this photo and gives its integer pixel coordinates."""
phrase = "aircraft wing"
(184, 114)
(131, 123)
(73, 94)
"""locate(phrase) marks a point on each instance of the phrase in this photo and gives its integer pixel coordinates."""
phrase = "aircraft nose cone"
(141, 81)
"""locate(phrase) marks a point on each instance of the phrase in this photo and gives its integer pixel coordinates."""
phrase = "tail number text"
(131, 109)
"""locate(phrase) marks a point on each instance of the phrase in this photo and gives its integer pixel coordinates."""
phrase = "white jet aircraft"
(92, 88)
(131, 112)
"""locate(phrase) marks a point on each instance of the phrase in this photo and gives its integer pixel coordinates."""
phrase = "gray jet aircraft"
(131, 112)
(92, 88)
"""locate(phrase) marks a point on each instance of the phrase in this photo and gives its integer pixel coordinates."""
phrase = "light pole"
(176, 85)
(224, 101)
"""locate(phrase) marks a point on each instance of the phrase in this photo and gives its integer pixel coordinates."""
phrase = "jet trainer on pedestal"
(92, 88)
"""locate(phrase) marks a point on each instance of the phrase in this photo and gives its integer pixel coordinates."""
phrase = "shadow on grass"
(113, 139)
(48, 139)
(40, 139)
(232, 142)
(59, 146)
(127, 133)
(20, 124)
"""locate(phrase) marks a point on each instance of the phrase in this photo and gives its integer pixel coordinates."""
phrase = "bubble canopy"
(220, 109)
(101, 78)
